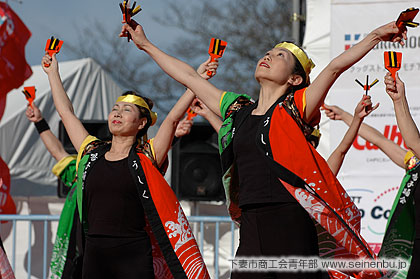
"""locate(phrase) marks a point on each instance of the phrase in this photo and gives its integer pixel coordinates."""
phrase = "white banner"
(368, 174)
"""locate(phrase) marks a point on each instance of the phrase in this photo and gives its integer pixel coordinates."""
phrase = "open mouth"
(263, 64)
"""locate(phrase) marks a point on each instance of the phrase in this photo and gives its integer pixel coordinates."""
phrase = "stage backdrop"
(368, 174)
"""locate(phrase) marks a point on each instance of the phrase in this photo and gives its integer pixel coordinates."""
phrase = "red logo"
(394, 136)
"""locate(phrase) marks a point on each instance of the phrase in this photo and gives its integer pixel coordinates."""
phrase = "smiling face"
(125, 120)
(277, 66)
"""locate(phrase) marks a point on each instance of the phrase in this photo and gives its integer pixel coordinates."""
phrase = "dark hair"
(298, 70)
(143, 113)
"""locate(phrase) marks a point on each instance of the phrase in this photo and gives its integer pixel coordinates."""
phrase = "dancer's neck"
(269, 94)
(120, 147)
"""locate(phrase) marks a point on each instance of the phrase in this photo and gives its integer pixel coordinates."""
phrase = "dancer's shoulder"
(231, 102)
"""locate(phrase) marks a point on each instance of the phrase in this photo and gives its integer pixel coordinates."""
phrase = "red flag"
(7, 205)
(14, 69)
(2, 104)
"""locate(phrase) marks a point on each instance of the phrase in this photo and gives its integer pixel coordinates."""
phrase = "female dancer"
(66, 260)
(399, 236)
(66, 257)
(127, 210)
(409, 200)
(268, 165)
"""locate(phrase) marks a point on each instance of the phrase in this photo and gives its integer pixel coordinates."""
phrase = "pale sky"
(61, 18)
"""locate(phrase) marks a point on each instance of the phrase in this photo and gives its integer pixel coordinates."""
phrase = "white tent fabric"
(317, 33)
(92, 92)
(317, 44)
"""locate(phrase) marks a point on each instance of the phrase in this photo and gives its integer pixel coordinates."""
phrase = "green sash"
(66, 171)
(400, 232)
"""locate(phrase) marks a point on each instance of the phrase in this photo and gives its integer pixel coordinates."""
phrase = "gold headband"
(304, 60)
(133, 99)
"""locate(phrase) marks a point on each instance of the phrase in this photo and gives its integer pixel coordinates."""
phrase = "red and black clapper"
(406, 18)
(392, 60)
(53, 46)
(29, 93)
(191, 113)
(128, 12)
(216, 49)
(367, 86)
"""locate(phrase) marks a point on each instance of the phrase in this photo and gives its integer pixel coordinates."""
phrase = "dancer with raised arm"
(66, 260)
(201, 109)
(363, 109)
(133, 225)
(402, 238)
(399, 236)
(277, 185)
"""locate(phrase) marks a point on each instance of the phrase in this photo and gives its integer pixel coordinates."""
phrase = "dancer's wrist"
(41, 126)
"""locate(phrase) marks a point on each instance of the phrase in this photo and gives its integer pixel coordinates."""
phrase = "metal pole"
(232, 232)
(44, 261)
(296, 16)
(195, 212)
(216, 250)
(29, 250)
(14, 247)
(202, 238)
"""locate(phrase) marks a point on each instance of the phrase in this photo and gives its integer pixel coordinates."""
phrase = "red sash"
(176, 227)
(325, 199)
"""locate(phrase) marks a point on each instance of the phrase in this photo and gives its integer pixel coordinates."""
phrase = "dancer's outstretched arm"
(406, 124)
(163, 139)
(363, 108)
(51, 142)
(317, 91)
(390, 148)
(178, 70)
(74, 127)
(184, 127)
(201, 109)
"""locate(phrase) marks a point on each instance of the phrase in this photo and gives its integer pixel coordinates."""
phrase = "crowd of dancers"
(122, 220)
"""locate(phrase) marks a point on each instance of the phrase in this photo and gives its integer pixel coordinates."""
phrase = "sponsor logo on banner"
(374, 206)
(350, 40)
(412, 42)
(391, 132)
(407, 65)
(367, 172)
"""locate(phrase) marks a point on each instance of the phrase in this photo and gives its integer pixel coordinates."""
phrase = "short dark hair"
(298, 70)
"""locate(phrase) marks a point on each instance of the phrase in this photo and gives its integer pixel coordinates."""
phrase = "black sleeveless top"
(113, 205)
(258, 184)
